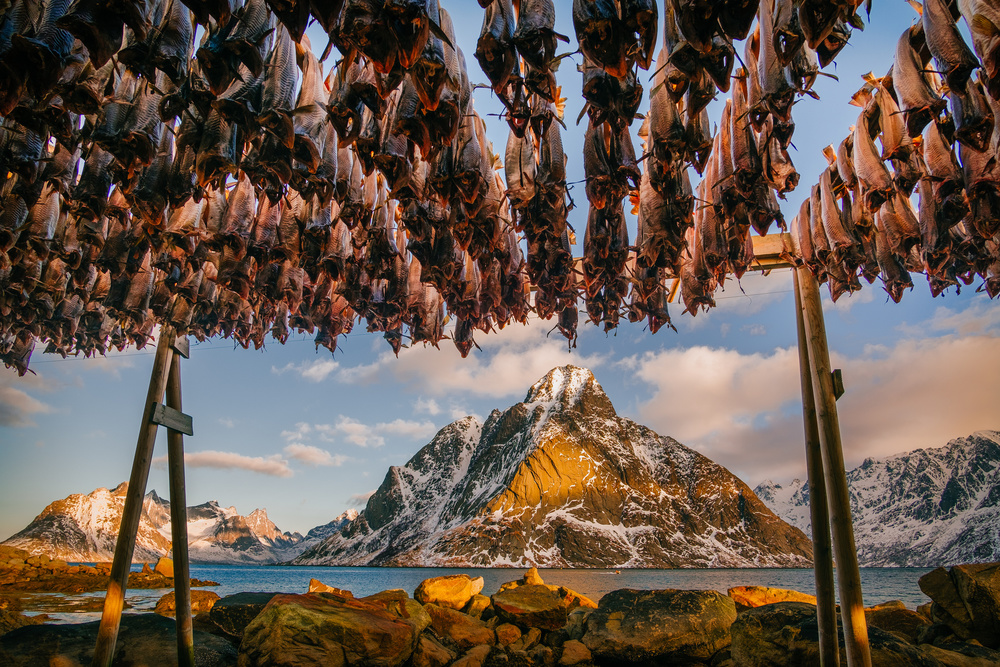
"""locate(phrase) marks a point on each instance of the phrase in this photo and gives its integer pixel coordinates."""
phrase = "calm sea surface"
(879, 584)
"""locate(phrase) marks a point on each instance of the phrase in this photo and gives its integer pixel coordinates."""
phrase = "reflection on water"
(879, 584)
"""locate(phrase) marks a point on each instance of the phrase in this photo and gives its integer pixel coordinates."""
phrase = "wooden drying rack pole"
(165, 377)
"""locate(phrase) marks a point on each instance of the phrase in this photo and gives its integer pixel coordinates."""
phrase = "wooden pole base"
(178, 524)
(114, 600)
(838, 495)
(826, 598)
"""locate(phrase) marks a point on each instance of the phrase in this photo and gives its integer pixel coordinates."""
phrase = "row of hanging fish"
(217, 194)
(517, 51)
(939, 130)
(745, 166)
(232, 187)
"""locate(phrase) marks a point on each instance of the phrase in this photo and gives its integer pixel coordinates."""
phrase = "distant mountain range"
(561, 480)
(924, 508)
(83, 528)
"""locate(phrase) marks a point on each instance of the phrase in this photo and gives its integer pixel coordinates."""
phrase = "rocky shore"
(528, 623)
(22, 572)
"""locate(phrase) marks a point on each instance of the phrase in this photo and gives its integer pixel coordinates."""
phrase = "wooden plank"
(182, 346)
(826, 598)
(178, 524)
(114, 599)
(838, 496)
(175, 420)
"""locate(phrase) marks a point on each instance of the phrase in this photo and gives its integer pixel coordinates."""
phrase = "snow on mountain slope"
(83, 528)
(561, 480)
(924, 508)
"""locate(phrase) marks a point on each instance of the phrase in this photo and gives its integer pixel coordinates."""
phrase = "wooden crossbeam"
(175, 420)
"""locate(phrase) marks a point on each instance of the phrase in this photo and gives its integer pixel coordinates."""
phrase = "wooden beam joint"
(838, 383)
(182, 346)
(173, 419)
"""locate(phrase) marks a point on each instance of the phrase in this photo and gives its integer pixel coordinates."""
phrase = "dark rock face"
(967, 599)
(665, 627)
(785, 634)
(143, 639)
(918, 509)
(560, 480)
(233, 613)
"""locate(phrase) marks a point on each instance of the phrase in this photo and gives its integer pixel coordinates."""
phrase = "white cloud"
(744, 410)
(754, 329)
(458, 412)
(314, 371)
(360, 499)
(407, 429)
(428, 405)
(848, 301)
(980, 317)
(301, 432)
(273, 465)
(509, 361)
(227, 422)
(350, 430)
(313, 455)
(17, 406)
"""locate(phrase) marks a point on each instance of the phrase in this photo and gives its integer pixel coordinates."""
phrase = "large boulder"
(233, 613)
(967, 598)
(397, 602)
(532, 606)
(201, 601)
(143, 639)
(430, 653)
(324, 629)
(785, 634)
(962, 655)
(574, 654)
(672, 626)
(748, 597)
(895, 618)
(165, 567)
(453, 591)
(459, 630)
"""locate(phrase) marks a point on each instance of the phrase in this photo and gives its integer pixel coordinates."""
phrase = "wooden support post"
(114, 599)
(848, 576)
(826, 598)
(178, 524)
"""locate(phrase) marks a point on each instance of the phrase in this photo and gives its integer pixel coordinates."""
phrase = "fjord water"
(880, 584)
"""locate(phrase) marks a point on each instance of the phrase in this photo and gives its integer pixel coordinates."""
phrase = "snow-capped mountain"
(924, 508)
(561, 480)
(83, 528)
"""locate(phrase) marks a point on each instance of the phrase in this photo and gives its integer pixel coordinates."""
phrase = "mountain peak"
(564, 384)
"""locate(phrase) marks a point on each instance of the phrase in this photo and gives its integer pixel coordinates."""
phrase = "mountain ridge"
(558, 480)
(924, 508)
(83, 528)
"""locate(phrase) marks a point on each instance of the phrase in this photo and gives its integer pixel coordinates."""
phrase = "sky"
(308, 434)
